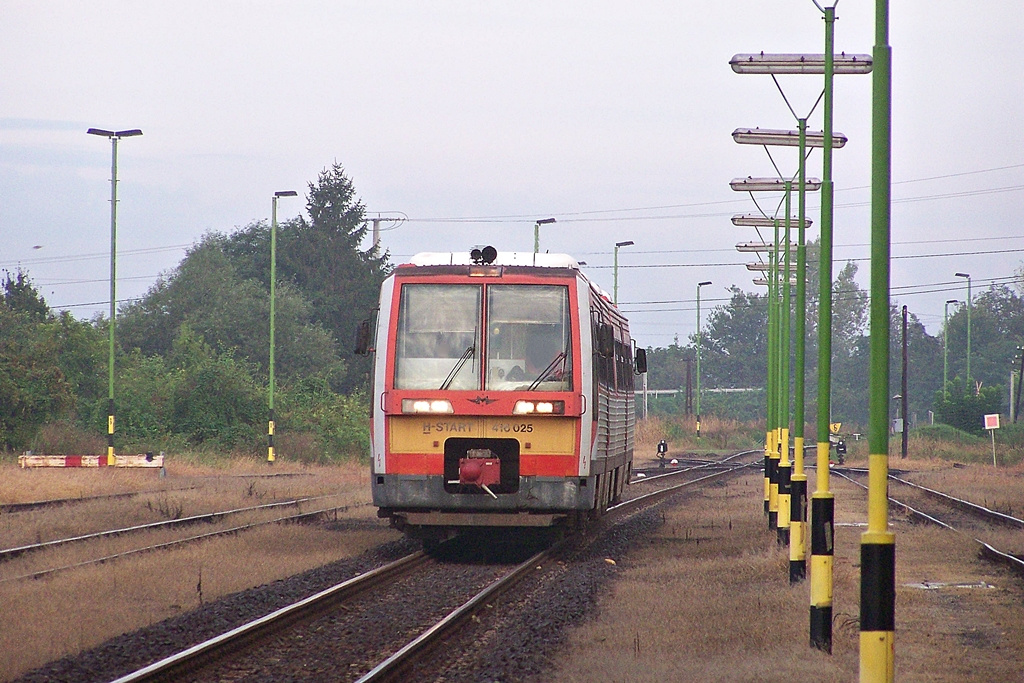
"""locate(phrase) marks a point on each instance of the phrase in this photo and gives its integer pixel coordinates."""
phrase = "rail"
(1014, 562)
(174, 667)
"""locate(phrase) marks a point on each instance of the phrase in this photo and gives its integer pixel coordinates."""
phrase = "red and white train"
(502, 394)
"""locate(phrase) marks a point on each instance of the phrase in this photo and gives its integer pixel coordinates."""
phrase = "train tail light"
(539, 408)
(419, 405)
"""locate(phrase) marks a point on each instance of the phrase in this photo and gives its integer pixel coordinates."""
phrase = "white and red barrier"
(148, 460)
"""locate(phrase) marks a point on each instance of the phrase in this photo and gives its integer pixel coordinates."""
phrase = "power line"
(90, 256)
(567, 214)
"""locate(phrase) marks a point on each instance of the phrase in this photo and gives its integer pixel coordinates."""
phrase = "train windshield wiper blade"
(560, 358)
(466, 355)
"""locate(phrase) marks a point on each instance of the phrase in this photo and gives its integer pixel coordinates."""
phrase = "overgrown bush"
(68, 438)
(965, 408)
(340, 423)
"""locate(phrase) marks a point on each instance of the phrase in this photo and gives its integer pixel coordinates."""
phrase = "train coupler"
(482, 472)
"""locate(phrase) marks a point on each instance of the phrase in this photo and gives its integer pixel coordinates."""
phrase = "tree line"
(192, 355)
(734, 348)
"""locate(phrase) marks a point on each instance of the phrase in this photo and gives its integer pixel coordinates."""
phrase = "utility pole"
(1020, 376)
(376, 227)
(903, 389)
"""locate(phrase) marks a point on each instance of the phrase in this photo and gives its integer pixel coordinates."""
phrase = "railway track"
(957, 514)
(62, 502)
(10, 553)
(335, 611)
(304, 516)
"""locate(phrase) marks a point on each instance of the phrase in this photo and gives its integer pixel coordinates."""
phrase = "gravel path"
(513, 642)
(132, 651)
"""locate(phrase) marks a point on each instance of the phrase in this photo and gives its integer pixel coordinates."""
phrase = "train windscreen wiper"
(559, 358)
(466, 355)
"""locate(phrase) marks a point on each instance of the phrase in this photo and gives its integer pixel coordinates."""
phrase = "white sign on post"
(992, 424)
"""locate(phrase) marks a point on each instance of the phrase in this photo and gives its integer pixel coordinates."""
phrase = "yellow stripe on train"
(427, 434)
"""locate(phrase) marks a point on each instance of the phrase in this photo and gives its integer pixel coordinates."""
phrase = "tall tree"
(322, 258)
(19, 294)
(997, 329)
(735, 342)
(230, 313)
(33, 389)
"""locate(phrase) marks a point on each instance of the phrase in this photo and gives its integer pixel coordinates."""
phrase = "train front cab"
(485, 414)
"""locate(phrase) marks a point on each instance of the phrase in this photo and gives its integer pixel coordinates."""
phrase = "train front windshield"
(527, 338)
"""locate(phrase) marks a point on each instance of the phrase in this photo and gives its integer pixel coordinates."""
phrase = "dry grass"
(708, 599)
(189, 491)
(70, 611)
(717, 435)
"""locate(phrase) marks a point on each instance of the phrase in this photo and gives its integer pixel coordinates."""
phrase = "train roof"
(507, 258)
(504, 258)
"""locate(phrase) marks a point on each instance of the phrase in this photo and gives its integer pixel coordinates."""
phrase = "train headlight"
(420, 405)
(539, 408)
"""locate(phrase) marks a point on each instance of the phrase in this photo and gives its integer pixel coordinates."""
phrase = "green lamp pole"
(777, 469)
(798, 481)
(969, 306)
(699, 285)
(273, 302)
(945, 347)
(878, 543)
(536, 232)
(822, 501)
(615, 271)
(114, 136)
(766, 281)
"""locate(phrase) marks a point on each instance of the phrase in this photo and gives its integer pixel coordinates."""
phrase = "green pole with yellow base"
(785, 465)
(878, 544)
(798, 485)
(823, 500)
(774, 331)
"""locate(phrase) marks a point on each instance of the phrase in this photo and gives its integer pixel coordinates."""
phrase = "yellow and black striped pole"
(822, 500)
(774, 332)
(769, 440)
(798, 482)
(878, 544)
(785, 464)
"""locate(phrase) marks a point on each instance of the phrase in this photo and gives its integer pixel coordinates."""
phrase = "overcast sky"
(475, 119)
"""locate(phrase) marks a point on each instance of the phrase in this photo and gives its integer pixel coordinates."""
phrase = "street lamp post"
(878, 543)
(699, 285)
(615, 271)
(827, 64)
(273, 304)
(945, 347)
(114, 136)
(536, 232)
(775, 405)
(793, 480)
(969, 306)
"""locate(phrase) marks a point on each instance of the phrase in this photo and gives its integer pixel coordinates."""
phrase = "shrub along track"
(349, 641)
